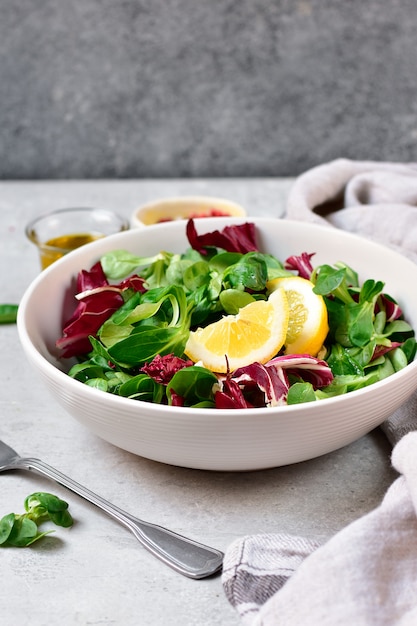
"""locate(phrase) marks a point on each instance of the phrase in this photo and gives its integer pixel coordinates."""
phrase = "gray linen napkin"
(375, 200)
(367, 573)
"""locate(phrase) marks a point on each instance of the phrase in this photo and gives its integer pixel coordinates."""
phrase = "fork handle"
(184, 555)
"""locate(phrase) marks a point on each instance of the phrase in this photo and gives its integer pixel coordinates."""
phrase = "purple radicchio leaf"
(259, 385)
(176, 400)
(91, 279)
(230, 396)
(308, 368)
(392, 309)
(97, 301)
(91, 312)
(236, 238)
(134, 282)
(271, 381)
(163, 368)
(301, 264)
(381, 350)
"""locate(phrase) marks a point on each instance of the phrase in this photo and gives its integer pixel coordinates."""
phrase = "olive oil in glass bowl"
(59, 232)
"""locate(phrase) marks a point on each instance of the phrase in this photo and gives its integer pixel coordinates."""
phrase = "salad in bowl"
(224, 325)
(228, 344)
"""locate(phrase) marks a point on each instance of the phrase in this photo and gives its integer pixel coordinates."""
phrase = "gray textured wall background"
(169, 88)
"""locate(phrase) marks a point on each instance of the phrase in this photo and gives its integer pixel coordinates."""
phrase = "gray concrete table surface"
(96, 572)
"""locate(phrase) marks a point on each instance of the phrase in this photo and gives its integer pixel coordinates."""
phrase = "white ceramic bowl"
(230, 440)
(183, 207)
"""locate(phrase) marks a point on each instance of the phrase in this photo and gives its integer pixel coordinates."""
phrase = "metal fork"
(188, 557)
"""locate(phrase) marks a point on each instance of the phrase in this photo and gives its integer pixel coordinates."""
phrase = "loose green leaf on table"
(21, 530)
(8, 313)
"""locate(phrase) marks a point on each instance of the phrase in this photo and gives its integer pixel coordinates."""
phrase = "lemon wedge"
(308, 320)
(256, 333)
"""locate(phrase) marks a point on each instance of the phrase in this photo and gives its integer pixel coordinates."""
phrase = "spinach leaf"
(158, 325)
(301, 392)
(142, 387)
(194, 385)
(232, 300)
(250, 272)
(121, 263)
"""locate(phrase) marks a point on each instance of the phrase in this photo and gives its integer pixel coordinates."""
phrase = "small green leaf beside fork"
(22, 530)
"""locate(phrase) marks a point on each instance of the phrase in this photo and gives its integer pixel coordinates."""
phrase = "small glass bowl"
(58, 232)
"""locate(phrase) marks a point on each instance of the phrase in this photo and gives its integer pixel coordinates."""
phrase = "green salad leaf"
(22, 530)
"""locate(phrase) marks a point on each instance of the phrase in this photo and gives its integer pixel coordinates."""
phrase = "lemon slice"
(256, 333)
(308, 322)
